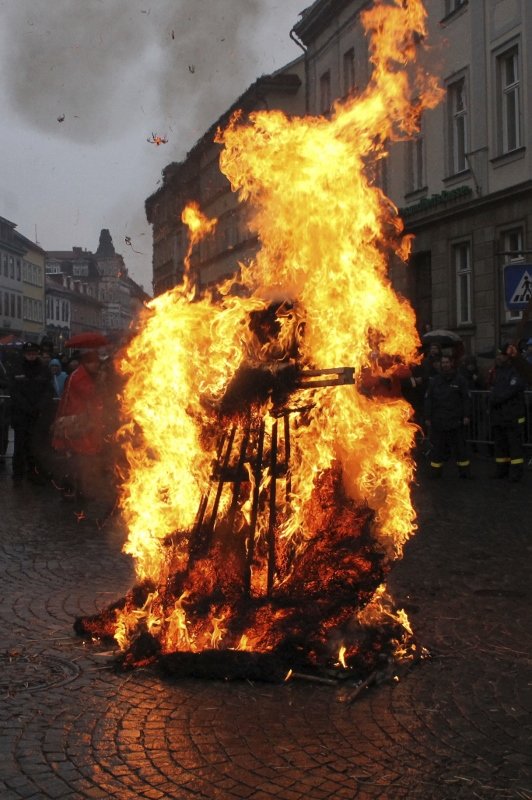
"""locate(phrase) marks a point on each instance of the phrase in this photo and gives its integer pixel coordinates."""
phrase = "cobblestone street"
(456, 726)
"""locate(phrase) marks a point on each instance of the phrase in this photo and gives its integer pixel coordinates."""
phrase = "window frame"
(508, 92)
(457, 125)
(463, 271)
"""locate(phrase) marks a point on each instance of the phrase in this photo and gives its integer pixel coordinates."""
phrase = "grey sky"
(118, 71)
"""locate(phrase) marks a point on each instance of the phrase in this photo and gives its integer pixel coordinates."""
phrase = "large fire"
(266, 500)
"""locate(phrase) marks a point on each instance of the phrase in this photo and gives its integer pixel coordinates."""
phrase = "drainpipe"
(300, 44)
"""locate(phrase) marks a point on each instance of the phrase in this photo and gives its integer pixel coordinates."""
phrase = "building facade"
(464, 184)
(21, 284)
(198, 178)
(90, 291)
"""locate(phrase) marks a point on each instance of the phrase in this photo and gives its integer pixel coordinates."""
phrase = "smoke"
(85, 69)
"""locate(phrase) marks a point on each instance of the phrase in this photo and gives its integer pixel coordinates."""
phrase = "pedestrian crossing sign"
(517, 286)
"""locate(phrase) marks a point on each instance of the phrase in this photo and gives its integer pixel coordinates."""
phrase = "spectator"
(507, 414)
(4, 411)
(447, 410)
(58, 377)
(78, 433)
(30, 387)
(527, 353)
(469, 370)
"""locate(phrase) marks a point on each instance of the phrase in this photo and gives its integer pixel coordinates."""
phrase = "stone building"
(21, 284)
(464, 185)
(95, 287)
(198, 178)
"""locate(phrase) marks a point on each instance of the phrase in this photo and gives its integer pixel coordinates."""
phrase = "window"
(453, 5)
(512, 245)
(457, 108)
(18, 269)
(5, 266)
(12, 305)
(19, 306)
(509, 100)
(325, 93)
(11, 267)
(416, 164)
(462, 268)
(349, 72)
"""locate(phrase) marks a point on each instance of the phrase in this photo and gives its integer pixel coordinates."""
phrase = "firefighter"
(447, 411)
(507, 415)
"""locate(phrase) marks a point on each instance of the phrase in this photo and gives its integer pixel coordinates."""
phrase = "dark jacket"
(447, 401)
(29, 388)
(507, 398)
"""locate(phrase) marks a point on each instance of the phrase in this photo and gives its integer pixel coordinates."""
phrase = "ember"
(157, 140)
(267, 493)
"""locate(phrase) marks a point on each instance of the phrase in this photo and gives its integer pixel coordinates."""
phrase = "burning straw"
(265, 509)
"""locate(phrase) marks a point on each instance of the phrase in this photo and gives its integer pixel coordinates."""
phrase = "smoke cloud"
(83, 69)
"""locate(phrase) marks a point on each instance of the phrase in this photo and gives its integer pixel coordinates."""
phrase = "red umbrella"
(87, 340)
(9, 339)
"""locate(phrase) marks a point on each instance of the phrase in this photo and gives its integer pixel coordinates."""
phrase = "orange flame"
(327, 234)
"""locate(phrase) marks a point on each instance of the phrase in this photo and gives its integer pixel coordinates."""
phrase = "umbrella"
(87, 340)
(442, 337)
(10, 339)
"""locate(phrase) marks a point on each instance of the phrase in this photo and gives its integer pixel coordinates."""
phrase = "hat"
(31, 347)
(529, 341)
(55, 362)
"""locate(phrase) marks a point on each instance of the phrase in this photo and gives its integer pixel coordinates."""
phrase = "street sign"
(517, 286)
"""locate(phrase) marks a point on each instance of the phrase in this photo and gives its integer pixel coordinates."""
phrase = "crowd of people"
(445, 409)
(64, 416)
(64, 413)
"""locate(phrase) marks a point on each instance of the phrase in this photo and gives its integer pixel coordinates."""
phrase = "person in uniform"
(507, 414)
(447, 412)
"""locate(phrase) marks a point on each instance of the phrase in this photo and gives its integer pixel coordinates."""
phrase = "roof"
(280, 80)
(316, 16)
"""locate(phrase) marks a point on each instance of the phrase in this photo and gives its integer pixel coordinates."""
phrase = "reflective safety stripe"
(502, 460)
(517, 461)
(463, 463)
(435, 465)
(521, 420)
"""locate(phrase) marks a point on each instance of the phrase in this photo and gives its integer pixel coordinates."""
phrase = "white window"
(509, 100)
(512, 246)
(462, 269)
(457, 107)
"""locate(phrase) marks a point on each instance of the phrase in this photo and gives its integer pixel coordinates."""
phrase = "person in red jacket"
(78, 430)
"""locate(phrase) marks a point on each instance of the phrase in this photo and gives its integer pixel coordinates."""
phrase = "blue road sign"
(517, 286)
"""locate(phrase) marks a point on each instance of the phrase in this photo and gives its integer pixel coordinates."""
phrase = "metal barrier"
(480, 426)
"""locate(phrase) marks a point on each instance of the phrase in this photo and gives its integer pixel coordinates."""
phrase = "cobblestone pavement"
(457, 726)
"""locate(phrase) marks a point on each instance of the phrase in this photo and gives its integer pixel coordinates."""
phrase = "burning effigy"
(267, 487)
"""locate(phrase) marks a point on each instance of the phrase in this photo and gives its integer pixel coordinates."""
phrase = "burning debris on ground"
(267, 493)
